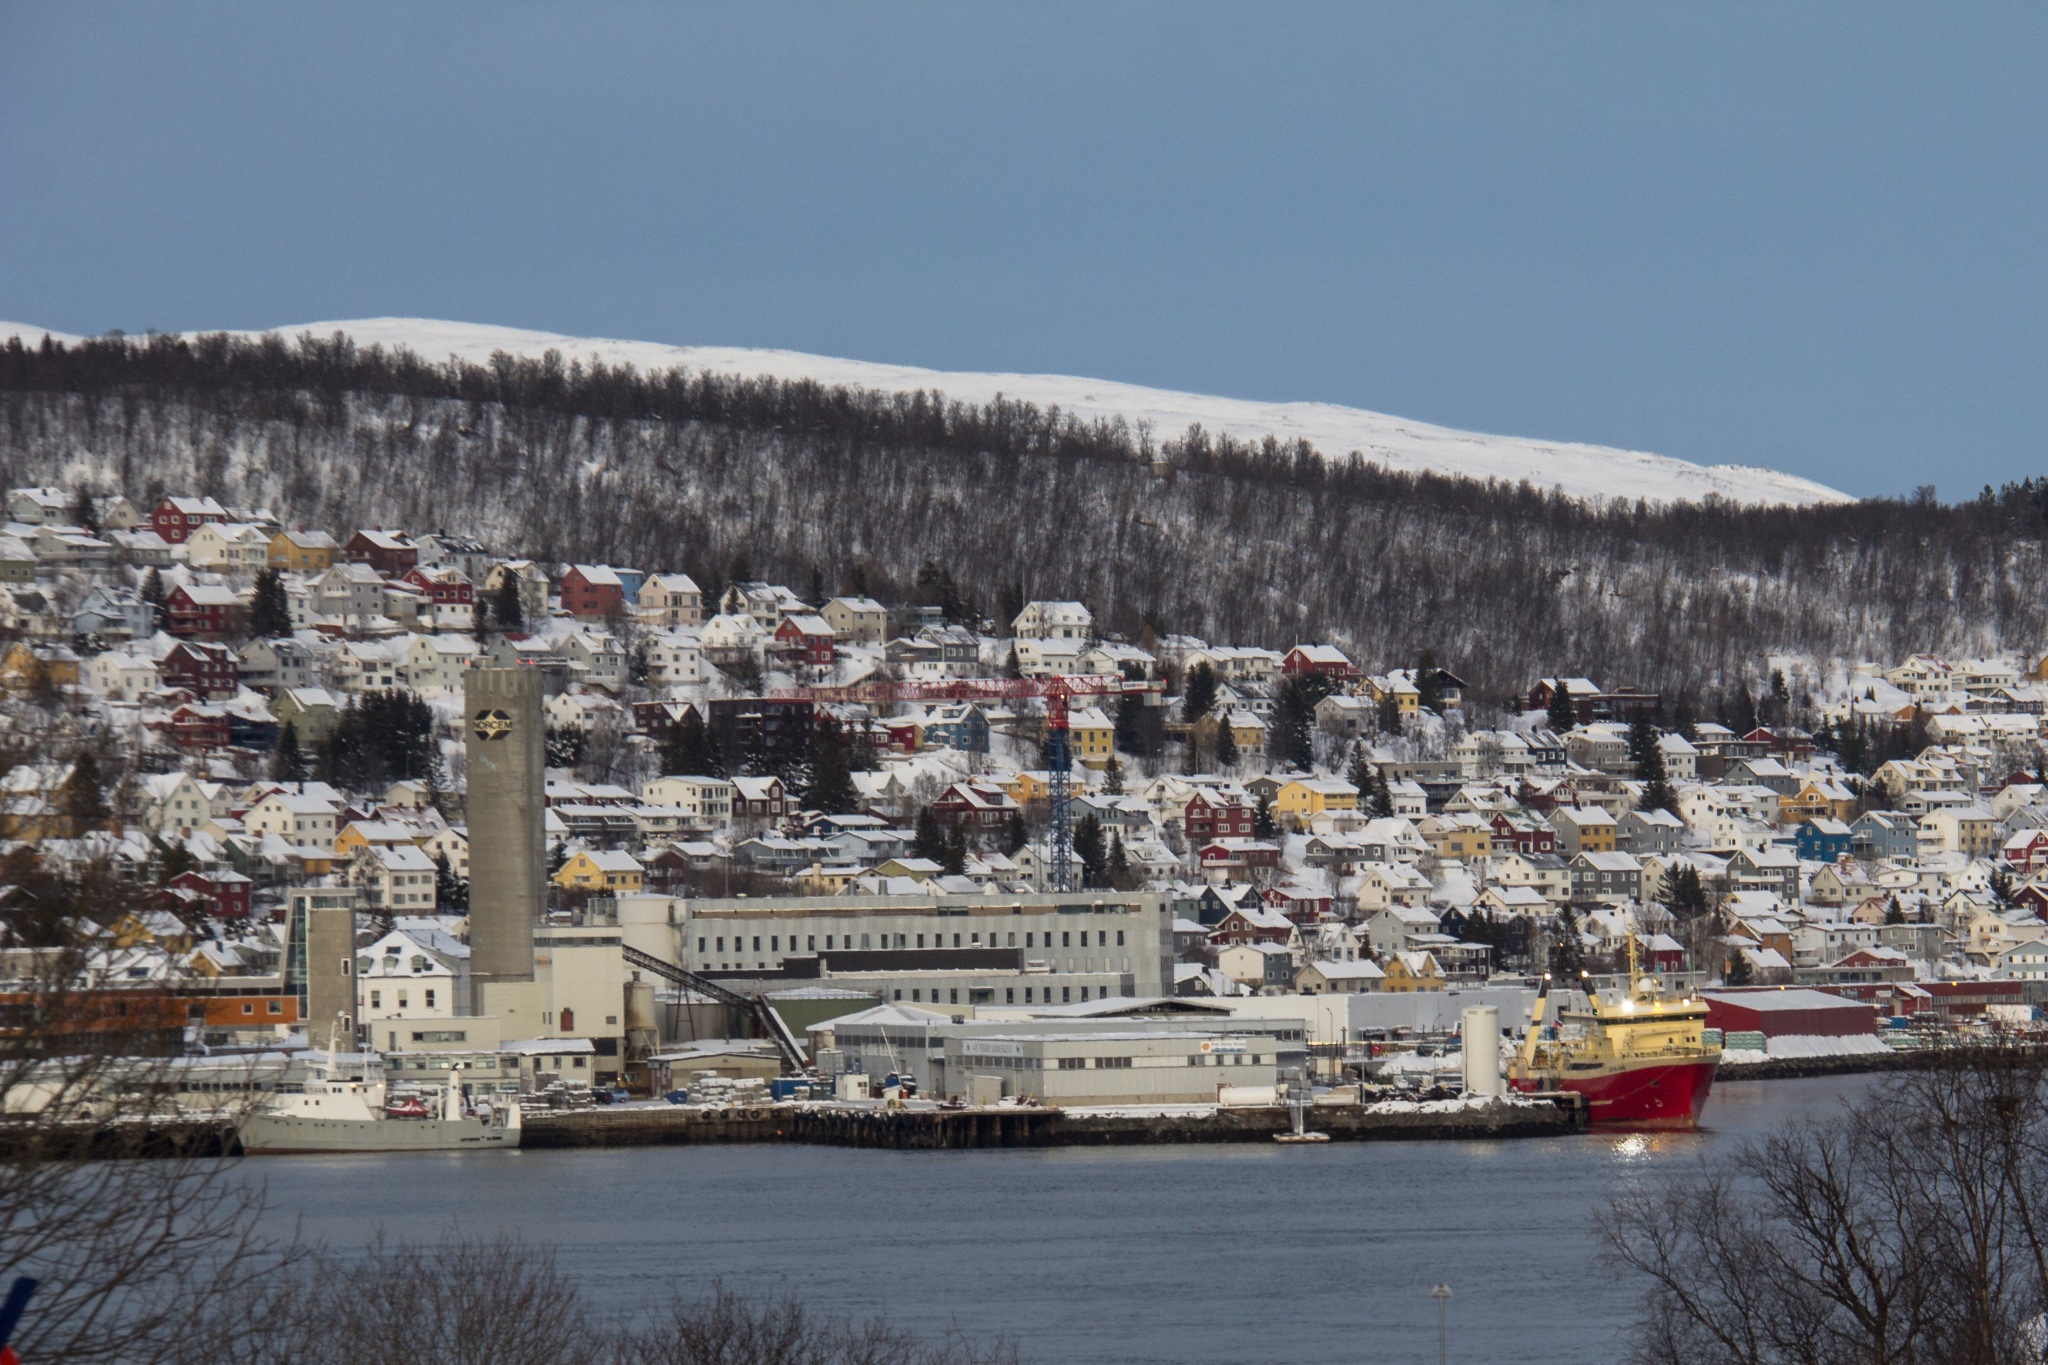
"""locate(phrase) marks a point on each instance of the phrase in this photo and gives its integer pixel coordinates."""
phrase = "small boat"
(1301, 1137)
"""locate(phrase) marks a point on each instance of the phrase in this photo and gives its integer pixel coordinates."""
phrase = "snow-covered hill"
(1583, 470)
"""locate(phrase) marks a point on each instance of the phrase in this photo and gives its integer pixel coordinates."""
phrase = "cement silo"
(506, 745)
(1481, 1026)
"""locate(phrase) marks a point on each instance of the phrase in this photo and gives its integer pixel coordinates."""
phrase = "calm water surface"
(1191, 1254)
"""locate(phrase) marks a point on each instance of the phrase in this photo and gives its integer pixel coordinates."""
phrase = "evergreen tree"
(1742, 716)
(1738, 971)
(1015, 834)
(1011, 668)
(831, 790)
(1567, 953)
(1292, 737)
(173, 860)
(83, 799)
(152, 589)
(1113, 778)
(1118, 868)
(1429, 683)
(1263, 826)
(1199, 696)
(1648, 755)
(953, 854)
(506, 612)
(288, 761)
(690, 749)
(1562, 715)
(1360, 772)
(84, 514)
(928, 840)
(1226, 745)
(451, 893)
(270, 615)
(1382, 805)
(1091, 851)
(1893, 912)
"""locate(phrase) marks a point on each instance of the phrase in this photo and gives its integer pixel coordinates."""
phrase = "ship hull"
(1660, 1096)
(282, 1135)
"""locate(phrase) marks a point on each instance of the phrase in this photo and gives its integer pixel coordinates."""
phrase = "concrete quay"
(955, 1129)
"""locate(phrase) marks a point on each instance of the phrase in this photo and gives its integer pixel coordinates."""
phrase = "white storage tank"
(1481, 1027)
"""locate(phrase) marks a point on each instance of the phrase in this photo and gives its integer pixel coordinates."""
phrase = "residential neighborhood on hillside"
(216, 709)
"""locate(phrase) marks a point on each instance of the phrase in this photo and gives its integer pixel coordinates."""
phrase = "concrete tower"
(507, 747)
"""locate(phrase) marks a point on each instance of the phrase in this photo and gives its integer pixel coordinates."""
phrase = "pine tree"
(1429, 683)
(1091, 850)
(152, 589)
(1226, 746)
(1118, 868)
(1739, 972)
(83, 799)
(451, 893)
(1263, 826)
(1382, 795)
(1648, 755)
(928, 841)
(690, 749)
(1360, 772)
(1015, 834)
(270, 615)
(953, 854)
(1893, 912)
(1199, 696)
(831, 790)
(506, 612)
(84, 514)
(288, 761)
(1562, 715)
(1113, 778)
(1567, 953)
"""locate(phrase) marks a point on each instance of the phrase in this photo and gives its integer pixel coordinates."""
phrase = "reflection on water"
(1185, 1254)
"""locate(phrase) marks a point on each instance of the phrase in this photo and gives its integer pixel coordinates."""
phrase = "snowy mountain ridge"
(1582, 470)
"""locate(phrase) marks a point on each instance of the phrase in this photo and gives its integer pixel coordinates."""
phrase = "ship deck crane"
(1056, 690)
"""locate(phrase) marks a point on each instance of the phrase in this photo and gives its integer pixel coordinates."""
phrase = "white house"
(305, 821)
(1053, 621)
(434, 664)
(396, 878)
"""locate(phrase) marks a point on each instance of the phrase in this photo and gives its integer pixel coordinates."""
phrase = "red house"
(1298, 903)
(202, 668)
(1524, 836)
(177, 518)
(204, 611)
(443, 585)
(1325, 659)
(200, 726)
(972, 806)
(805, 639)
(1239, 855)
(390, 553)
(228, 891)
(1252, 924)
(1222, 818)
(592, 591)
(2027, 849)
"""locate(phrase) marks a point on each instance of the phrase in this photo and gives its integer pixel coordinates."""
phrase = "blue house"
(957, 725)
(632, 580)
(1884, 834)
(1822, 840)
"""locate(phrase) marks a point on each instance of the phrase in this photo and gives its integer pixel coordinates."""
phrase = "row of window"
(902, 941)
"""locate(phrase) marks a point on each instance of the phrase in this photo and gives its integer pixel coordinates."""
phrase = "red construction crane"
(1059, 756)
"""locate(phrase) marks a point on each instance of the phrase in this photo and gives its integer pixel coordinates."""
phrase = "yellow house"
(821, 879)
(303, 551)
(1458, 837)
(360, 834)
(1376, 690)
(600, 870)
(1408, 972)
(1028, 787)
(1819, 799)
(1092, 736)
(1307, 796)
(22, 662)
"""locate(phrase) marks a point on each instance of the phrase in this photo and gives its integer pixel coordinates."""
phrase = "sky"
(1804, 236)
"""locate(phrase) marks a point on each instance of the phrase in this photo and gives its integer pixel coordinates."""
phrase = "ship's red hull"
(1661, 1095)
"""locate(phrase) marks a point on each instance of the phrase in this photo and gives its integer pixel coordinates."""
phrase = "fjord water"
(1160, 1254)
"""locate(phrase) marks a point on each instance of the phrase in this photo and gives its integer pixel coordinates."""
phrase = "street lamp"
(1442, 1294)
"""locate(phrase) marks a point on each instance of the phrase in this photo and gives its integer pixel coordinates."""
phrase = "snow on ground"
(1807, 1045)
(1582, 470)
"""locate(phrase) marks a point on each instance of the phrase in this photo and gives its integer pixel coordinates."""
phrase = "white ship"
(342, 1105)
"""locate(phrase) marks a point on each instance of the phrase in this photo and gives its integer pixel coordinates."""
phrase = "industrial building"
(1037, 950)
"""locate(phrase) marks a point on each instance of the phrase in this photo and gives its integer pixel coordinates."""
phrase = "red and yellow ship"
(1639, 1058)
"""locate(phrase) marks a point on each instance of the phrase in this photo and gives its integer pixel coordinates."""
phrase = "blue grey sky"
(1804, 236)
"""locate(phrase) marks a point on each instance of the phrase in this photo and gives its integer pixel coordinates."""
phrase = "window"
(920, 940)
(1066, 993)
(348, 965)
(1073, 1063)
(1013, 941)
(810, 943)
(1066, 940)
(376, 1000)
(757, 943)
(953, 996)
(774, 944)
(1027, 995)
(1119, 938)
(276, 1007)
(956, 940)
(248, 1009)
(899, 992)
(1010, 995)
(916, 995)
(721, 945)
(828, 943)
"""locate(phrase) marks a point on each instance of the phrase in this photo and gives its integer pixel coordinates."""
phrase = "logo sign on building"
(1223, 1047)
(491, 724)
(982, 1049)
